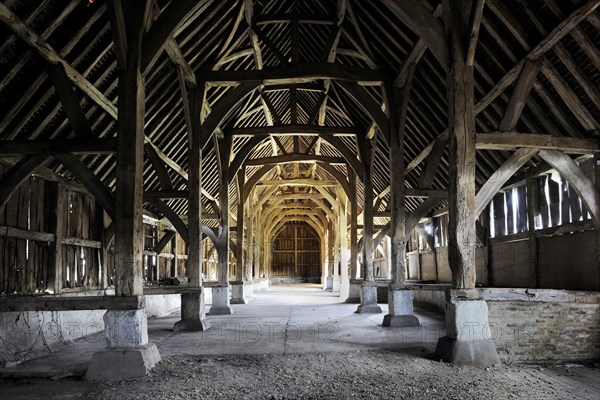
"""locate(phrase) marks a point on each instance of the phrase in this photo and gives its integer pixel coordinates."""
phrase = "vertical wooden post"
(255, 233)
(130, 157)
(532, 211)
(397, 123)
(343, 239)
(366, 153)
(597, 184)
(223, 236)
(368, 291)
(295, 250)
(194, 261)
(103, 252)
(461, 126)
(56, 211)
(353, 226)
(239, 256)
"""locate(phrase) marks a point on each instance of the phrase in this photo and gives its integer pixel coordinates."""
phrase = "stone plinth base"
(126, 328)
(368, 301)
(264, 283)
(469, 339)
(193, 315)
(400, 320)
(256, 285)
(220, 301)
(328, 283)
(190, 326)
(345, 288)
(480, 353)
(400, 304)
(122, 363)
(336, 284)
(240, 292)
(353, 293)
(248, 290)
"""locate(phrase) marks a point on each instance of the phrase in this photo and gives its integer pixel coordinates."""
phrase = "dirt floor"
(380, 374)
(332, 353)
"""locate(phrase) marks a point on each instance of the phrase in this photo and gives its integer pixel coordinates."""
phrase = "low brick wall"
(527, 331)
(532, 324)
(292, 280)
(542, 324)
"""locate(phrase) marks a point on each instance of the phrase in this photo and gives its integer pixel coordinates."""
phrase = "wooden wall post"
(533, 211)
(56, 196)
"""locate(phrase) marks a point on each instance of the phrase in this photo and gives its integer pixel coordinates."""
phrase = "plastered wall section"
(31, 334)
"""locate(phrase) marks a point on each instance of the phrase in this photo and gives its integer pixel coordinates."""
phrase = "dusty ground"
(407, 374)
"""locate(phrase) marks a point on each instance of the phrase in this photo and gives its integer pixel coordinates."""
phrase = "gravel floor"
(409, 374)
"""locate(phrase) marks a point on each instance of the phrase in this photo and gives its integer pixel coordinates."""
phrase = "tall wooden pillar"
(368, 290)
(398, 107)
(461, 127)
(400, 300)
(220, 294)
(366, 153)
(353, 226)
(240, 289)
(223, 233)
(192, 304)
(126, 331)
(462, 19)
(194, 260)
(239, 255)
(343, 239)
(129, 233)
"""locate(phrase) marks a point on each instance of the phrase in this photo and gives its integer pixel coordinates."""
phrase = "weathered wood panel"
(569, 261)
(511, 263)
(296, 253)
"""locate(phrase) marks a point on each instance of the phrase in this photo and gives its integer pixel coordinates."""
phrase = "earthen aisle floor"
(297, 342)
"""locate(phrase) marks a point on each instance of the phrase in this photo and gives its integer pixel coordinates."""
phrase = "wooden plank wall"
(24, 263)
(82, 261)
(296, 253)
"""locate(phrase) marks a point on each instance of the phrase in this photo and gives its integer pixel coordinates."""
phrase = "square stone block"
(467, 320)
(126, 328)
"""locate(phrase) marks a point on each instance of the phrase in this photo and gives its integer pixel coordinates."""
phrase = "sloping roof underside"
(373, 36)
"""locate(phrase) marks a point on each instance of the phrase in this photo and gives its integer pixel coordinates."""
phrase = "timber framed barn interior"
(155, 154)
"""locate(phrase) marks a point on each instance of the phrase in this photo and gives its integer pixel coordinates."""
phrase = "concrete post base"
(469, 339)
(193, 315)
(239, 293)
(129, 354)
(336, 284)
(249, 290)
(122, 363)
(479, 353)
(344, 289)
(400, 305)
(400, 320)
(125, 328)
(353, 292)
(264, 283)
(368, 301)
(220, 301)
